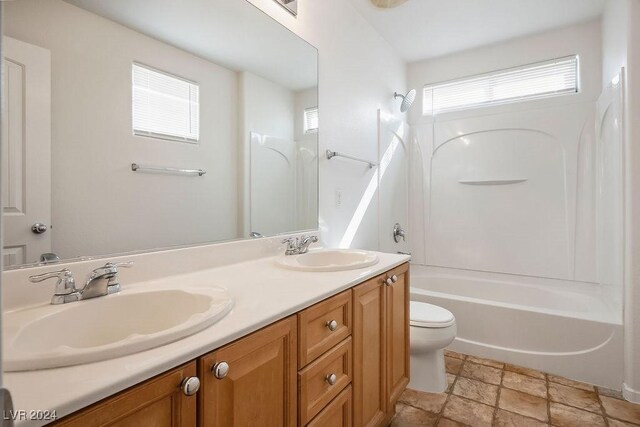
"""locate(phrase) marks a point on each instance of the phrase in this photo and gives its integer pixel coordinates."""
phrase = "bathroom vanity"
(340, 362)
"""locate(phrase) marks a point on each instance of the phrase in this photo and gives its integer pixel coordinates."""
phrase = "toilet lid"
(430, 316)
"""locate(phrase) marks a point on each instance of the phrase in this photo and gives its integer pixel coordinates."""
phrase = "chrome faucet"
(398, 233)
(101, 281)
(298, 245)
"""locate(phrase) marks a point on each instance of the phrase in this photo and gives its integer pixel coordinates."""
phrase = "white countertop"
(263, 292)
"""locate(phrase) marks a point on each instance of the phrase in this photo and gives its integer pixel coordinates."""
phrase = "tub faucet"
(298, 246)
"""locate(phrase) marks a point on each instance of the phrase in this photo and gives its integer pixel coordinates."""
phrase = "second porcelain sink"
(108, 327)
(329, 260)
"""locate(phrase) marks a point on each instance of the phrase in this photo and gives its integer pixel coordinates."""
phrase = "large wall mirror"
(135, 125)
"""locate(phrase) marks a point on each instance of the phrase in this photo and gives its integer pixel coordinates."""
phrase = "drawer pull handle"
(331, 379)
(220, 370)
(190, 386)
(388, 282)
(394, 278)
(332, 325)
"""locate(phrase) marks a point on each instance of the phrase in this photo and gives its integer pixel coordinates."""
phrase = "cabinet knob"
(332, 325)
(388, 282)
(394, 278)
(190, 386)
(331, 379)
(220, 370)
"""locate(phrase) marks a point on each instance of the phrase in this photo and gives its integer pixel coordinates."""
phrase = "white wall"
(93, 146)
(614, 39)
(359, 72)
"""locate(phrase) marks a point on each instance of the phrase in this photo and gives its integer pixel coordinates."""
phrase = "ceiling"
(233, 34)
(422, 29)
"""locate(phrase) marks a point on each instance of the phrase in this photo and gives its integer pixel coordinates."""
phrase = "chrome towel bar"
(144, 168)
(332, 154)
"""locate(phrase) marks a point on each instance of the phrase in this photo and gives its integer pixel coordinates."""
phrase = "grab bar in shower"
(492, 181)
(144, 168)
(332, 154)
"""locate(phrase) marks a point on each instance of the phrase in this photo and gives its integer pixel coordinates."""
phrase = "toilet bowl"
(432, 329)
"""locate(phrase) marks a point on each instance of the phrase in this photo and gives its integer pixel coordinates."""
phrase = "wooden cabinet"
(338, 413)
(369, 335)
(397, 335)
(381, 346)
(339, 363)
(158, 402)
(259, 388)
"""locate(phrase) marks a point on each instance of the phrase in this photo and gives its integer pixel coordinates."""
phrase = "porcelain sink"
(108, 327)
(329, 260)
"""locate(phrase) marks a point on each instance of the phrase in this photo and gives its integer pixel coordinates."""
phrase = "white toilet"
(432, 329)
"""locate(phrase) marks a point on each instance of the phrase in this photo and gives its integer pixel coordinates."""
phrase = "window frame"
(428, 88)
(311, 130)
(159, 135)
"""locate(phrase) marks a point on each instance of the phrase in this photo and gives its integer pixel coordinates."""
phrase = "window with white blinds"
(311, 120)
(543, 79)
(164, 106)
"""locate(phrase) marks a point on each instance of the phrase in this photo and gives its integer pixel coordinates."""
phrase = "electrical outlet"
(338, 198)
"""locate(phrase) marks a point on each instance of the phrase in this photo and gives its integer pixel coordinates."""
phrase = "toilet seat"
(426, 315)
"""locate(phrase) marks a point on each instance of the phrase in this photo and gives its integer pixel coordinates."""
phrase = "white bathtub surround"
(263, 293)
(631, 389)
(561, 327)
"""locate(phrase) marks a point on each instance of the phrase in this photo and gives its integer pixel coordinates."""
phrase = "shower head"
(387, 4)
(407, 100)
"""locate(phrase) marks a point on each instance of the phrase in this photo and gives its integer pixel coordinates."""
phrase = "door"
(159, 402)
(26, 151)
(252, 382)
(369, 334)
(397, 324)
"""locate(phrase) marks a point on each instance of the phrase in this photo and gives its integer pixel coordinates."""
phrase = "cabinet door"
(369, 334)
(259, 388)
(397, 324)
(158, 402)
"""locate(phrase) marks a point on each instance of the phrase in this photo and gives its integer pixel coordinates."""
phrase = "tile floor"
(484, 392)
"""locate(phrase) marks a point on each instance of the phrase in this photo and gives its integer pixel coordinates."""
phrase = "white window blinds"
(164, 106)
(311, 120)
(543, 79)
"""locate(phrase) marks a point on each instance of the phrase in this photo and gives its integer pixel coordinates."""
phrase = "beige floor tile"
(510, 419)
(476, 390)
(481, 372)
(450, 379)
(408, 416)
(487, 362)
(571, 383)
(453, 365)
(525, 384)
(621, 409)
(525, 371)
(468, 412)
(455, 355)
(571, 396)
(429, 402)
(566, 416)
(608, 392)
(618, 423)
(445, 422)
(523, 404)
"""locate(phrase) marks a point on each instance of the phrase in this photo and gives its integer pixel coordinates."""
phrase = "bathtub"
(560, 327)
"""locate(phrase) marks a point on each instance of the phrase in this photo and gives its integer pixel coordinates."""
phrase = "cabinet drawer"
(337, 413)
(316, 333)
(315, 391)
